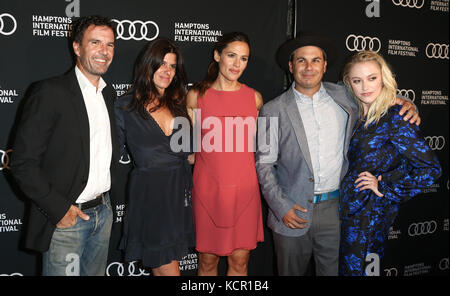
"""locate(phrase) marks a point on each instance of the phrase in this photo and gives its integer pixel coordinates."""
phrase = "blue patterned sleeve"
(419, 167)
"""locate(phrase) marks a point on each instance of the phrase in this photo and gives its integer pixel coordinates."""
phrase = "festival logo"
(12, 274)
(136, 30)
(189, 262)
(359, 43)
(8, 96)
(435, 142)
(8, 24)
(416, 269)
(409, 3)
(391, 271)
(443, 264)
(195, 32)
(4, 159)
(402, 48)
(436, 51)
(9, 225)
(45, 26)
(433, 97)
(121, 88)
(422, 228)
(439, 5)
(126, 269)
(407, 93)
(120, 213)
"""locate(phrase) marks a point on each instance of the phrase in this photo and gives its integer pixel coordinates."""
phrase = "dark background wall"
(34, 46)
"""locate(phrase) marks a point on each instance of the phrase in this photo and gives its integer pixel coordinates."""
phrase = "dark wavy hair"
(213, 68)
(80, 25)
(143, 87)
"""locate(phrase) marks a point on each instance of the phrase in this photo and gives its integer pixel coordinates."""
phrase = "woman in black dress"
(158, 226)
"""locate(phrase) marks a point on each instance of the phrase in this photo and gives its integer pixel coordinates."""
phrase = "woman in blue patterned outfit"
(389, 163)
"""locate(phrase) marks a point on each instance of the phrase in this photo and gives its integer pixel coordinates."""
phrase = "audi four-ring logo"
(421, 228)
(408, 93)
(437, 51)
(125, 159)
(409, 3)
(5, 17)
(391, 272)
(12, 274)
(359, 43)
(443, 264)
(118, 269)
(4, 159)
(435, 142)
(136, 30)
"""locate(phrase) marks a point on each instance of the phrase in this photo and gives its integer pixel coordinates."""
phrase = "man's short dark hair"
(80, 25)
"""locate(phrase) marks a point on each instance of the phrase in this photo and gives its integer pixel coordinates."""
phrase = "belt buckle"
(102, 197)
(88, 204)
(317, 198)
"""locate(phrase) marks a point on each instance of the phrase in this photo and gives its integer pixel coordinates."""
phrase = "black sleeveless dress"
(158, 224)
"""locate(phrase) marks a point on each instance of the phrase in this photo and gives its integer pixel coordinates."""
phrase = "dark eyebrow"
(94, 39)
(314, 58)
(230, 51)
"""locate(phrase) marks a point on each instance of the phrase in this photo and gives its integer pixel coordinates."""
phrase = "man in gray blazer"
(303, 137)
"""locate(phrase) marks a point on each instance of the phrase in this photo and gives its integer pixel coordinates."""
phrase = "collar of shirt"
(85, 83)
(320, 95)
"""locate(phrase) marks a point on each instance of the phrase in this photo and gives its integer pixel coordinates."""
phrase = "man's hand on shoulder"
(411, 113)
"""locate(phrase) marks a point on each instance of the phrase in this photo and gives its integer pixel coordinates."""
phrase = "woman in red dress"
(226, 198)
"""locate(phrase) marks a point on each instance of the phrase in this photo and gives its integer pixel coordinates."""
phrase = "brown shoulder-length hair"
(213, 68)
(143, 87)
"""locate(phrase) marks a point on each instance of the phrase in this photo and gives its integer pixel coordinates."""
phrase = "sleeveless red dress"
(226, 197)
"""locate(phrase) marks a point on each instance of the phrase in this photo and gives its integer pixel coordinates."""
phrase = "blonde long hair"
(388, 93)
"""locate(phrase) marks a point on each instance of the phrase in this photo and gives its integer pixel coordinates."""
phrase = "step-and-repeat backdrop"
(412, 35)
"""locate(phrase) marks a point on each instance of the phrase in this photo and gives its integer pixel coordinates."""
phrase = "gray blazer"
(283, 161)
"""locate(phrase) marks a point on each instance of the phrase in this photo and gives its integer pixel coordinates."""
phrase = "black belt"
(98, 200)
